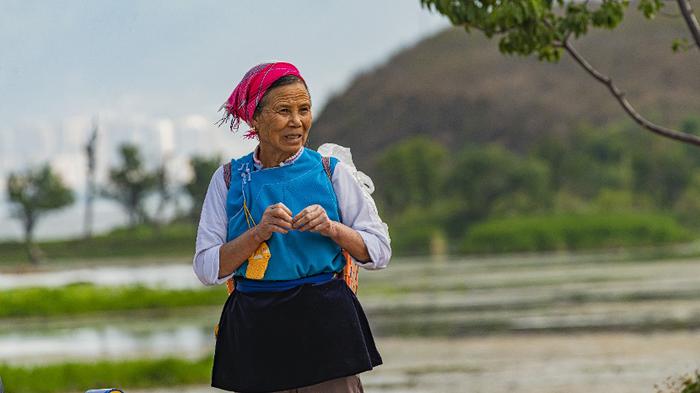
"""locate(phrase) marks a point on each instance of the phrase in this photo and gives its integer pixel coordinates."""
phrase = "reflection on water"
(185, 333)
(166, 276)
(118, 340)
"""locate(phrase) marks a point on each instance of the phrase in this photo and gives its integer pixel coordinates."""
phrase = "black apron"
(271, 341)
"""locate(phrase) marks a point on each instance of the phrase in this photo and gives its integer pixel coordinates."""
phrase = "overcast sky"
(168, 65)
(172, 58)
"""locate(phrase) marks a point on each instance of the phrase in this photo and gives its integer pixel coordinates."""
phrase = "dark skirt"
(271, 341)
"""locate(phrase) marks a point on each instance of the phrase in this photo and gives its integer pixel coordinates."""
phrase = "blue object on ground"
(102, 391)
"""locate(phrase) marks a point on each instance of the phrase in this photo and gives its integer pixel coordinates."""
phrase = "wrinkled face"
(284, 121)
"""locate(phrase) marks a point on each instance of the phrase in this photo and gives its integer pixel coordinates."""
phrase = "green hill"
(459, 89)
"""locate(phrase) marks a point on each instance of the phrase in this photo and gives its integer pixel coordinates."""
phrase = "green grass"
(572, 232)
(681, 384)
(171, 240)
(125, 375)
(78, 299)
(516, 234)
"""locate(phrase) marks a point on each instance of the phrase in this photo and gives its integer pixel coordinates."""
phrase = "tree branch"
(690, 20)
(620, 96)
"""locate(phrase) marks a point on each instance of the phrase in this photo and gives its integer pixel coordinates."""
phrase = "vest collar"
(258, 164)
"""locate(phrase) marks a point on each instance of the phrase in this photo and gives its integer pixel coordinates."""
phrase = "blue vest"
(295, 254)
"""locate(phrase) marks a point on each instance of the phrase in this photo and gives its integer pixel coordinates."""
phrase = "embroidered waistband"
(245, 285)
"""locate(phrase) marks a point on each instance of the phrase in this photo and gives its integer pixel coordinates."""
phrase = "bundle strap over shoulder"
(227, 174)
(230, 283)
(351, 271)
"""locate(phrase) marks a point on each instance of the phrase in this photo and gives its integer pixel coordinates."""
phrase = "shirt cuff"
(376, 261)
(209, 267)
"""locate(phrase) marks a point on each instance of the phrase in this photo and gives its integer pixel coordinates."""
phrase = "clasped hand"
(278, 218)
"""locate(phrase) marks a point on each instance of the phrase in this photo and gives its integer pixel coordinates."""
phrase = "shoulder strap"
(350, 271)
(227, 174)
(329, 164)
(230, 284)
(327, 167)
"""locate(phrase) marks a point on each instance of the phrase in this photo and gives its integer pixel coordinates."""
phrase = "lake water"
(172, 276)
(580, 325)
(105, 342)
(121, 337)
(575, 363)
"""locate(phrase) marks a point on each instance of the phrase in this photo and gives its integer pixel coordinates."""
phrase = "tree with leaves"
(33, 194)
(493, 182)
(411, 173)
(202, 170)
(90, 153)
(164, 190)
(546, 28)
(130, 184)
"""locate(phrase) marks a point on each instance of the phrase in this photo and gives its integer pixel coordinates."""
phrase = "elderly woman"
(277, 220)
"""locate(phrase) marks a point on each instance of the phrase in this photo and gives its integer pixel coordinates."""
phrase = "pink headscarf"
(250, 90)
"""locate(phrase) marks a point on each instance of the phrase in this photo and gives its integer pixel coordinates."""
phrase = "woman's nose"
(295, 119)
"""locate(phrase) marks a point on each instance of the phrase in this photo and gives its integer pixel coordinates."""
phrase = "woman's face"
(284, 121)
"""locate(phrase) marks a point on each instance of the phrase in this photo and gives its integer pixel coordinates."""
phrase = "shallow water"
(172, 276)
(580, 363)
(116, 339)
(584, 318)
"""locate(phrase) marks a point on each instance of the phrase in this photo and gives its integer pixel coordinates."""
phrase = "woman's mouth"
(292, 137)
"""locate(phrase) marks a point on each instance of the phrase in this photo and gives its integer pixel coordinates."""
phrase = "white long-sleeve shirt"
(356, 211)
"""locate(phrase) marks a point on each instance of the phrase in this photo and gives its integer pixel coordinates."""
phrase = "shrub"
(683, 384)
(87, 298)
(422, 231)
(78, 377)
(572, 232)
(171, 240)
(413, 233)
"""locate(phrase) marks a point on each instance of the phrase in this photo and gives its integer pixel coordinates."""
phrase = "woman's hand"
(276, 218)
(314, 219)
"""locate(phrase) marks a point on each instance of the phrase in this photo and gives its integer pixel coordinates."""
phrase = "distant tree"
(130, 184)
(90, 153)
(546, 28)
(165, 191)
(202, 170)
(495, 182)
(586, 161)
(687, 206)
(662, 173)
(691, 125)
(33, 194)
(411, 174)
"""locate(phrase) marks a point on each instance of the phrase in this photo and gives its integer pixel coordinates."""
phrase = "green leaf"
(650, 7)
(680, 45)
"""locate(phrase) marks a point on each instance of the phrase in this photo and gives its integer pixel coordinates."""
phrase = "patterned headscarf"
(250, 90)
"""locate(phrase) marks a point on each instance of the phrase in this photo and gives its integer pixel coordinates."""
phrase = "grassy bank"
(130, 374)
(416, 236)
(573, 232)
(451, 297)
(143, 241)
(82, 299)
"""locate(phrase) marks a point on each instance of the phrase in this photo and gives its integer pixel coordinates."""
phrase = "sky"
(155, 73)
